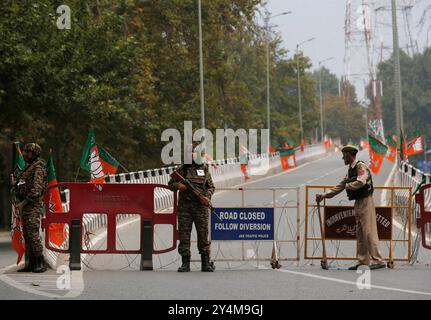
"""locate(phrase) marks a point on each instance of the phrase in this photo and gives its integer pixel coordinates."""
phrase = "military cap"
(350, 148)
(34, 148)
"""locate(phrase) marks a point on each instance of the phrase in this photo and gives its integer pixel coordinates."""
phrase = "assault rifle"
(179, 178)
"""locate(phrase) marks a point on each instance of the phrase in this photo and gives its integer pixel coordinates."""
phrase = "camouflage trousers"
(189, 213)
(31, 223)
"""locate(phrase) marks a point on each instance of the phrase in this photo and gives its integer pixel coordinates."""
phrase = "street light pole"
(201, 66)
(299, 94)
(321, 97)
(299, 87)
(268, 107)
(268, 102)
(397, 72)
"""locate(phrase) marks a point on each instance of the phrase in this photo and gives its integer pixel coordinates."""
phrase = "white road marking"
(310, 275)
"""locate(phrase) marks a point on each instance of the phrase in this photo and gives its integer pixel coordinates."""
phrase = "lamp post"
(299, 86)
(201, 66)
(268, 17)
(321, 97)
(397, 72)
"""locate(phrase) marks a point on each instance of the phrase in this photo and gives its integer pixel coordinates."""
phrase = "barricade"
(256, 224)
(423, 220)
(394, 222)
(110, 201)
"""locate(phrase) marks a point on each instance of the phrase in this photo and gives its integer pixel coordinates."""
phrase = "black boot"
(28, 267)
(39, 266)
(185, 267)
(207, 266)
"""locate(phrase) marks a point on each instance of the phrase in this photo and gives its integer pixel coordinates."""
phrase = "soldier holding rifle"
(193, 181)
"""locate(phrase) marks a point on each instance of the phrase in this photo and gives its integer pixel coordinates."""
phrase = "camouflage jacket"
(200, 176)
(33, 182)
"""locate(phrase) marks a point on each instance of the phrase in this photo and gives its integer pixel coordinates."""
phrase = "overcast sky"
(324, 20)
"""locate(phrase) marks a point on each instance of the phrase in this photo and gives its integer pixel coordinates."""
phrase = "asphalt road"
(117, 277)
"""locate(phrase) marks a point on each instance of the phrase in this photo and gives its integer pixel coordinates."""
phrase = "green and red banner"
(416, 145)
(110, 164)
(287, 158)
(90, 159)
(57, 231)
(378, 152)
(392, 147)
(17, 235)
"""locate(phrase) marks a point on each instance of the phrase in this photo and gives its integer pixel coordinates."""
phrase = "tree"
(416, 85)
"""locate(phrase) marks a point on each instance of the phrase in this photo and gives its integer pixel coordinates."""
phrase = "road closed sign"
(242, 224)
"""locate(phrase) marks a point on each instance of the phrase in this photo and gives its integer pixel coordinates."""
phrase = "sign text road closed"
(242, 224)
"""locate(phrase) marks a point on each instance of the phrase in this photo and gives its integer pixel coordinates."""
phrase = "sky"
(324, 20)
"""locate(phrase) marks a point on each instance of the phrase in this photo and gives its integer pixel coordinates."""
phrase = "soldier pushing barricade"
(359, 186)
(193, 181)
(29, 188)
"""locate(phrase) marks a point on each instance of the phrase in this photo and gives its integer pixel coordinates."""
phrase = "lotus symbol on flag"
(418, 145)
(95, 165)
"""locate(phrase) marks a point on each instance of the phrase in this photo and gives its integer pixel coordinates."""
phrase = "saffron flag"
(392, 149)
(302, 146)
(110, 164)
(326, 142)
(416, 145)
(287, 158)
(378, 152)
(243, 160)
(17, 236)
(90, 159)
(57, 231)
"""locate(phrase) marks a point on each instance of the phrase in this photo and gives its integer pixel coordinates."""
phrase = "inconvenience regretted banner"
(242, 224)
(340, 223)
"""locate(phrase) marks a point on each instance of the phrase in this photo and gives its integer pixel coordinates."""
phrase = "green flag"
(109, 163)
(378, 152)
(19, 162)
(89, 144)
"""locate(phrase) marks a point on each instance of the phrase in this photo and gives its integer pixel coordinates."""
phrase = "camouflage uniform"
(191, 210)
(32, 185)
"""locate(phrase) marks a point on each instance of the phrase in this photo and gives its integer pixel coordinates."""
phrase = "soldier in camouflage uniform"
(190, 210)
(31, 187)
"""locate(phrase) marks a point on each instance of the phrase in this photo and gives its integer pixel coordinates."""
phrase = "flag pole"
(76, 177)
(122, 166)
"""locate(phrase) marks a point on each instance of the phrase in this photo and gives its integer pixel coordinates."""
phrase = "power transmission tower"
(359, 59)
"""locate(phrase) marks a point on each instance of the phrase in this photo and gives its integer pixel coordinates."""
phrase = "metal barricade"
(339, 227)
(110, 200)
(286, 221)
(423, 220)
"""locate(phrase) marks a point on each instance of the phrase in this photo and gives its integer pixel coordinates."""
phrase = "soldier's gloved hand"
(182, 187)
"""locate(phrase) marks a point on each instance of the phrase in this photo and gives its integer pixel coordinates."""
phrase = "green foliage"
(330, 82)
(130, 69)
(416, 85)
(345, 122)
